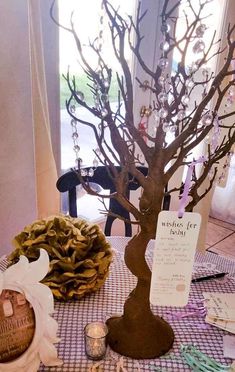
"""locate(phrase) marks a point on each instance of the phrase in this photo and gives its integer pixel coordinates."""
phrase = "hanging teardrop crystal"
(72, 109)
(205, 71)
(104, 97)
(185, 100)
(104, 112)
(73, 123)
(165, 127)
(106, 83)
(181, 114)
(97, 151)
(162, 97)
(165, 28)
(163, 113)
(95, 163)
(173, 128)
(189, 83)
(91, 172)
(76, 148)
(210, 174)
(75, 135)
(80, 95)
(96, 101)
(200, 30)
(156, 116)
(207, 139)
(83, 172)
(199, 46)
(161, 80)
(207, 119)
(163, 63)
(165, 46)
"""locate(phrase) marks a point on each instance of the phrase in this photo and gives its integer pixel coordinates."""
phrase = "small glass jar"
(95, 340)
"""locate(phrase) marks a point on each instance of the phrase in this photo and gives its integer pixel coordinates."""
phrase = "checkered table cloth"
(74, 315)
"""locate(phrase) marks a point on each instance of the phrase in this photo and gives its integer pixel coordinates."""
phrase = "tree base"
(145, 339)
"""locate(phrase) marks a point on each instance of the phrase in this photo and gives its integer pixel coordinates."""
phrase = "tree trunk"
(138, 333)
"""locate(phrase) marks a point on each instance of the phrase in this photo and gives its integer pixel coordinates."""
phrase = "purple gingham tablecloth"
(73, 316)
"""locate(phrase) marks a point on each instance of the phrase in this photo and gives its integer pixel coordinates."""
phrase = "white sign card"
(174, 251)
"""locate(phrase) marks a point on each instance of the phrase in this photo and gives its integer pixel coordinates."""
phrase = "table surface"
(74, 315)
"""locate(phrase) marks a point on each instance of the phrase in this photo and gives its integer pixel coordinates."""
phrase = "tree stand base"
(144, 340)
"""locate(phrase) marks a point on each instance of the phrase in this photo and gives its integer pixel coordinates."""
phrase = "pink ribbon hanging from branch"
(187, 184)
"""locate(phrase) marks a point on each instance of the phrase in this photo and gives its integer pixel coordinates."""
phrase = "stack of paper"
(220, 310)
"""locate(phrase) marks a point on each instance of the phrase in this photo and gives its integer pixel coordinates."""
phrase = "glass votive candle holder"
(95, 340)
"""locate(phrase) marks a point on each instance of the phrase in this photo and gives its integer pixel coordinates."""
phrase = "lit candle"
(95, 340)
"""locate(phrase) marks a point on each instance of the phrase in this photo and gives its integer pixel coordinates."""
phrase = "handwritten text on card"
(176, 241)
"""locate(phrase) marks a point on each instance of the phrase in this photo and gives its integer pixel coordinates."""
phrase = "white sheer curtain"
(223, 201)
(27, 162)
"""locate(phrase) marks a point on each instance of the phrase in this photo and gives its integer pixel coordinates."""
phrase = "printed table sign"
(175, 245)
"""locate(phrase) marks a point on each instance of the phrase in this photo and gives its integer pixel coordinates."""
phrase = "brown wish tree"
(138, 333)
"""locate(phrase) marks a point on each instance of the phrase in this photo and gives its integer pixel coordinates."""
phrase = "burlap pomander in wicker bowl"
(79, 254)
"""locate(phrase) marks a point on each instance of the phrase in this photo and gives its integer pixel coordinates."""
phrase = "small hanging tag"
(175, 245)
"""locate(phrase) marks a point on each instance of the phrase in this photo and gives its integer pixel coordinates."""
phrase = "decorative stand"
(138, 333)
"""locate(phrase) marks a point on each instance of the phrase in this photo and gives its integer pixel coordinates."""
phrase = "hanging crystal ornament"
(205, 71)
(230, 97)
(211, 174)
(83, 172)
(163, 63)
(189, 83)
(173, 128)
(162, 97)
(72, 108)
(163, 113)
(95, 163)
(165, 46)
(208, 139)
(75, 135)
(200, 30)
(181, 114)
(100, 77)
(96, 159)
(165, 127)
(100, 97)
(80, 95)
(185, 100)
(207, 119)
(165, 28)
(225, 167)
(91, 172)
(199, 47)
(97, 151)
(215, 134)
(162, 80)
(156, 118)
(104, 98)
(104, 112)
(195, 66)
(106, 83)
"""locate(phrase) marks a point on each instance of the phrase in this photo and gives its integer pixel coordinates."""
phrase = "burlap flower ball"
(79, 254)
